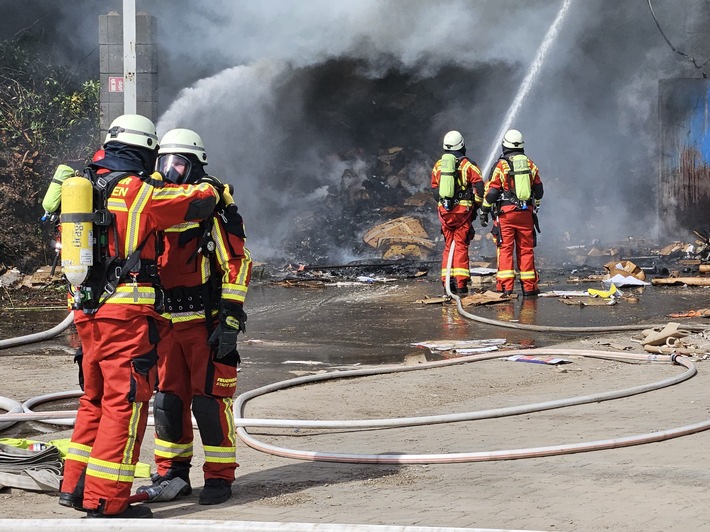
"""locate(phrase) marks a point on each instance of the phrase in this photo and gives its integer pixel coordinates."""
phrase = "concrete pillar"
(111, 67)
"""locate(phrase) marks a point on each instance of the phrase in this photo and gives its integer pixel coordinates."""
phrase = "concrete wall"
(111, 65)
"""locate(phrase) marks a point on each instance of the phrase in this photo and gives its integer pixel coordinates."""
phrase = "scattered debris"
(700, 313)
(463, 347)
(670, 331)
(624, 273)
(485, 298)
(401, 237)
(688, 281)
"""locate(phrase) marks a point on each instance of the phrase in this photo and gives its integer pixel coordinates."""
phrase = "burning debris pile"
(383, 211)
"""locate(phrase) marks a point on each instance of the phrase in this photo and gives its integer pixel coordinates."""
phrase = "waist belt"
(184, 299)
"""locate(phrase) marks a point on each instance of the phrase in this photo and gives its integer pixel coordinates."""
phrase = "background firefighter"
(205, 271)
(456, 214)
(513, 193)
(120, 329)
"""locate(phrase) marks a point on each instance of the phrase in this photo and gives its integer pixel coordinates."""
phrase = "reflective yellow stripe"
(506, 274)
(127, 294)
(527, 275)
(234, 292)
(229, 412)
(168, 449)
(456, 272)
(220, 455)
(110, 470)
(181, 227)
(134, 218)
(167, 193)
(78, 452)
(132, 432)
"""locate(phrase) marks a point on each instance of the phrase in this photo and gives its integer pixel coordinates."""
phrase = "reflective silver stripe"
(182, 147)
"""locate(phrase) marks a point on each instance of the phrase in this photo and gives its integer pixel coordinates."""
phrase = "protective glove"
(483, 218)
(212, 180)
(224, 191)
(232, 319)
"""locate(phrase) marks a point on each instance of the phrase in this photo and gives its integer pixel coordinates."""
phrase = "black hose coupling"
(674, 358)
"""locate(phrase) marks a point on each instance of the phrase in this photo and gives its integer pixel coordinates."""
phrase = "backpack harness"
(108, 272)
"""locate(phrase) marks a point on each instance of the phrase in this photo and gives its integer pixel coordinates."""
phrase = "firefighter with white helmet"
(513, 196)
(459, 186)
(118, 316)
(205, 271)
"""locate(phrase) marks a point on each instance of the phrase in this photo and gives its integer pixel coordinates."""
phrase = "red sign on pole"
(115, 84)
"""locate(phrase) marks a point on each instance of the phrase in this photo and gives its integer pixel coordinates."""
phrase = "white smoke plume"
(290, 94)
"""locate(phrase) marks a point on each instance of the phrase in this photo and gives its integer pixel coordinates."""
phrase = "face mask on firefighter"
(175, 168)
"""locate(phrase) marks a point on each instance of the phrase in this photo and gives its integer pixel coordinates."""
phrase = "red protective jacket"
(456, 223)
(188, 374)
(514, 225)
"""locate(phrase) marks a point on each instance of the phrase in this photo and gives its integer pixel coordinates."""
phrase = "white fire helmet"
(513, 139)
(183, 141)
(135, 130)
(453, 141)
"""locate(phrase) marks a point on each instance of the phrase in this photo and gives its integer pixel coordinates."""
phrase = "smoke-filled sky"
(287, 94)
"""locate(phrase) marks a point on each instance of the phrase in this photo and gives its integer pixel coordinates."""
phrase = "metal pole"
(129, 56)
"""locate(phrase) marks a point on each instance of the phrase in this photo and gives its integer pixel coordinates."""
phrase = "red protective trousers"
(187, 370)
(516, 234)
(120, 374)
(456, 227)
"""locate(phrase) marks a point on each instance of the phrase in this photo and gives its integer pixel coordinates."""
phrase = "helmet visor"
(175, 168)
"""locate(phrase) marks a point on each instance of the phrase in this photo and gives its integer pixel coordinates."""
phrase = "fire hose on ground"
(67, 417)
(544, 328)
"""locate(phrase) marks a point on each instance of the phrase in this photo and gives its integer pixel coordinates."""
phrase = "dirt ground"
(293, 332)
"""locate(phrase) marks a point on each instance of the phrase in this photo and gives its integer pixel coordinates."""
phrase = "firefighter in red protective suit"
(205, 272)
(513, 194)
(457, 207)
(118, 317)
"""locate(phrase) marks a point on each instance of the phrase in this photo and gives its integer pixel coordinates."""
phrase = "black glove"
(212, 180)
(232, 319)
(483, 218)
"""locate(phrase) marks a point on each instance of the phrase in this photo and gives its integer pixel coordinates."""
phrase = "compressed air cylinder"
(77, 229)
(53, 196)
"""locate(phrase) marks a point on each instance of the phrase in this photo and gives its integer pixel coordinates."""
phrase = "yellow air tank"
(77, 229)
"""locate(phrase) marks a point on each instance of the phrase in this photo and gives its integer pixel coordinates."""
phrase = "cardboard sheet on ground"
(485, 298)
(624, 273)
(463, 347)
(565, 293)
(588, 301)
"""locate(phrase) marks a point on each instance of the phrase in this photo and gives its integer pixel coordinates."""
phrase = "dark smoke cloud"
(289, 94)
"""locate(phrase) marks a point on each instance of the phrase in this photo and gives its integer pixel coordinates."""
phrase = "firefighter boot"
(75, 499)
(216, 491)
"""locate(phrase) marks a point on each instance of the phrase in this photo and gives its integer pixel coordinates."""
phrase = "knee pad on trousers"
(207, 414)
(167, 411)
